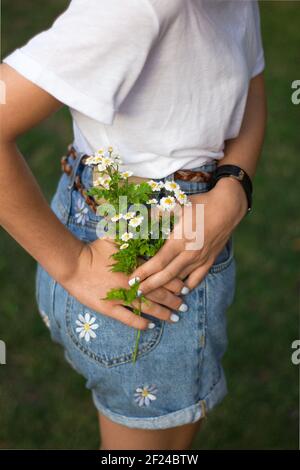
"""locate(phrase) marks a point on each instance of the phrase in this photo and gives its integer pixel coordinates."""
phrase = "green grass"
(44, 404)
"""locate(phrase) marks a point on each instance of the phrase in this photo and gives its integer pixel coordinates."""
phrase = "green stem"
(137, 311)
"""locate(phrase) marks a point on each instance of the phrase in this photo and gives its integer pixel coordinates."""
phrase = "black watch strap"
(239, 174)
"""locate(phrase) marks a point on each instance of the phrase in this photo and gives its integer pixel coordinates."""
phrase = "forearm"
(26, 215)
(245, 149)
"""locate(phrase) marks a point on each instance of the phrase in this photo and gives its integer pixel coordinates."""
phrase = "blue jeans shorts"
(178, 376)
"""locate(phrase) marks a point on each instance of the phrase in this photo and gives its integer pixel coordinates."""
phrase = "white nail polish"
(183, 308)
(185, 290)
(133, 281)
(174, 318)
(139, 293)
(151, 325)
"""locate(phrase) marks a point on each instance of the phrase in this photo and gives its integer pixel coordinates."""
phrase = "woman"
(178, 88)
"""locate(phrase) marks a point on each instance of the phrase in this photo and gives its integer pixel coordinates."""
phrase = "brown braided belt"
(184, 175)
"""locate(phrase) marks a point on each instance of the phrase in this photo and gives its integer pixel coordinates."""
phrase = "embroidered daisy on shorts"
(86, 327)
(81, 214)
(145, 395)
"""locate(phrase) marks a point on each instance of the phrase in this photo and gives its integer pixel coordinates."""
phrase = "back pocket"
(104, 339)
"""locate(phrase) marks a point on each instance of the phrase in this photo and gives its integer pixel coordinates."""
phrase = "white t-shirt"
(163, 81)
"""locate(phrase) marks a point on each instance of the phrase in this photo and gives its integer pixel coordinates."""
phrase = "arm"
(24, 212)
(82, 269)
(225, 205)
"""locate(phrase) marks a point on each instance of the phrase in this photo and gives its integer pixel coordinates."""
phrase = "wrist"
(65, 261)
(230, 191)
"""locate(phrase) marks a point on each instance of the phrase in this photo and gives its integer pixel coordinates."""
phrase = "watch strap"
(240, 175)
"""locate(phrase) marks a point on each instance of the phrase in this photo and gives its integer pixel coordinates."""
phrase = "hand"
(92, 279)
(225, 206)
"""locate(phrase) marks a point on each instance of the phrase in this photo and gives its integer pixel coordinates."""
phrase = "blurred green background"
(44, 404)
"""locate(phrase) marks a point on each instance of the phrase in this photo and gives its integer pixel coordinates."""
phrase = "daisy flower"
(81, 214)
(126, 236)
(144, 395)
(171, 186)
(124, 246)
(90, 160)
(136, 221)
(103, 181)
(155, 185)
(181, 197)
(167, 203)
(126, 174)
(129, 215)
(86, 327)
(116, 217)
(152, 201)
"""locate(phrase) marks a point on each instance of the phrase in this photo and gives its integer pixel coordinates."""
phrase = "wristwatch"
(240, 175)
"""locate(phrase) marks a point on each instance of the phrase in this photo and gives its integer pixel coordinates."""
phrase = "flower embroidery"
(144, 395)
(81, 214)
(86, 326)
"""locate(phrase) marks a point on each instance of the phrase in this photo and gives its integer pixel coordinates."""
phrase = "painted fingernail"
(183, 308)
(174, 318)
(151, 325)
(139, 293)
(185, 290)
(133, 281)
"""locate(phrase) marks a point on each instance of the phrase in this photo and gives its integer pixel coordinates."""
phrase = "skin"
(82, 269)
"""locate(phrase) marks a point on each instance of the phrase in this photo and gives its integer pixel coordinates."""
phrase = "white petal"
(147, 401)
(92, 334)
(95, 326)
(139, 390)
(151, 397)
(79, 329)
(87, 336)
(141, 401)
(79, 323)
(87, 317)
(82, 334)
(81, 318)
(93, 319)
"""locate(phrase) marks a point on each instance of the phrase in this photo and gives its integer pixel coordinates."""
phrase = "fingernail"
(183, 308)
(139, 293)
(133, 281)
(151, 325)
(174, 318)
(185, 290)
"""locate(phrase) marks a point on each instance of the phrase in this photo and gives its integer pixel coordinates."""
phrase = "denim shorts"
(178, 376)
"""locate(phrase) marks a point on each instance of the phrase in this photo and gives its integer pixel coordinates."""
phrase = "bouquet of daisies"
(137, 216)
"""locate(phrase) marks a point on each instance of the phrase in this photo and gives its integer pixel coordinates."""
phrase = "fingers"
(157, 263)
(130, 319)
(176, 286)
(197, 276)
(156, 310)
(165, 297)
(167, 274)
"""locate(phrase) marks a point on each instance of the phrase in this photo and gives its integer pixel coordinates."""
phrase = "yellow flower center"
(145, 393)
(86, 327)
